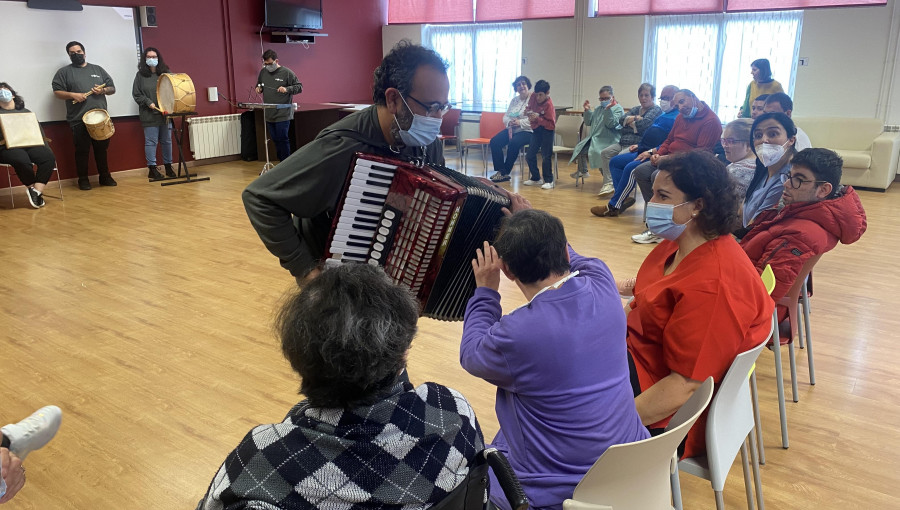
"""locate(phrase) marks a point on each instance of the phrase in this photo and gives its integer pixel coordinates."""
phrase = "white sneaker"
(607, 189)
(548, 185)
(33, 432)
(646, 237)
(529, 182)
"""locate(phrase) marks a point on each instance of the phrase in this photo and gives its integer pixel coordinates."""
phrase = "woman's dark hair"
(699, 174)
(18, 102)
(144, 69)
(399, 67)
(765, 69)
(533, 245)
(346, 334)
(542, 86)
(762, 172)
(648, 86)
(521, 79)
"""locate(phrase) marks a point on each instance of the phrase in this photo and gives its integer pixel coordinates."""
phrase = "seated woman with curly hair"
(364, 437)
(698, 300)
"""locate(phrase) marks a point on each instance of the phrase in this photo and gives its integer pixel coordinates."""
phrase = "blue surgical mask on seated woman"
(660, 220)
(152, 62)
(422, 131)
(5, 95)
(604, 104)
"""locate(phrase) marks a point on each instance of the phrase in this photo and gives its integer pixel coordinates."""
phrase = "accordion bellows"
(422, 224)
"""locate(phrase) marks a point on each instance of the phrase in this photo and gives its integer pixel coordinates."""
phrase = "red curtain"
(429, 11)
(623, 7)
(516, 10)
(771, 5)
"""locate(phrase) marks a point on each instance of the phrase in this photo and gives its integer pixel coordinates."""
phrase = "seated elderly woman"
(517, 133)
(364, 436)
(698, 300)
(24, 159)
(742, 160)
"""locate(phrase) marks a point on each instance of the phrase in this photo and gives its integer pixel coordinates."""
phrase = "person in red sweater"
(696, 127)
(543, 125)
(817, 212)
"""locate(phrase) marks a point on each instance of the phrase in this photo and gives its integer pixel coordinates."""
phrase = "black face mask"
(77, 58)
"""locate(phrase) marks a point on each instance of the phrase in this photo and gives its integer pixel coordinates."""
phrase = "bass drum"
(175, 93)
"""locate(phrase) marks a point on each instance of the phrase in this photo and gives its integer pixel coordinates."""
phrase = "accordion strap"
(383, 147)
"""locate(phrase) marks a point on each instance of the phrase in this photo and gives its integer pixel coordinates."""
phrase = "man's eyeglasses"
(433, 109)
(797, 181)
(732, 141)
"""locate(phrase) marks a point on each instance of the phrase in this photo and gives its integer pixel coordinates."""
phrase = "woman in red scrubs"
(698, 300)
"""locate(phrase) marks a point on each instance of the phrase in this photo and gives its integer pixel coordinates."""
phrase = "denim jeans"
(279, 133)
(158, 135)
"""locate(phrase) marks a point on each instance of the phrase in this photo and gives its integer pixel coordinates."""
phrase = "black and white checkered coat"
(406, 452)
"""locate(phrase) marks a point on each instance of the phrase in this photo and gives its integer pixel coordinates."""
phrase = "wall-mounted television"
(294, 14)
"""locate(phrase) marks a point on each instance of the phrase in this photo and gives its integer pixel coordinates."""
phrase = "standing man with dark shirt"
(292, 206)
(278, 84)
(84, 87)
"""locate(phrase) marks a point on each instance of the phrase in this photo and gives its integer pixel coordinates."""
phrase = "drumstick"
(157, 109)
(89, 93)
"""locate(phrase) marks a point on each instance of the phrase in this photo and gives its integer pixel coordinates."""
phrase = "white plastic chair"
(729, 426)
(635, 476)
(9, 173)
(567, 127)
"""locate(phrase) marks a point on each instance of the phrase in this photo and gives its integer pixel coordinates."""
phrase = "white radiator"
(216, 135)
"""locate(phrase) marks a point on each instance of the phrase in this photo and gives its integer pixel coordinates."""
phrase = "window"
(484, 60)
(711, 54)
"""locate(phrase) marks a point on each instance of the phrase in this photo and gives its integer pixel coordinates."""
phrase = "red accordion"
(421, 223)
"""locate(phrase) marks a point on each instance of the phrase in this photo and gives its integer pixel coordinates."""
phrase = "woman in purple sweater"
(559, 362)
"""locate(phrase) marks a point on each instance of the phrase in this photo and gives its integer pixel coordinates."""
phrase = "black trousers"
(541, 140)
(22, 160)
(513, 146)
(83, 144)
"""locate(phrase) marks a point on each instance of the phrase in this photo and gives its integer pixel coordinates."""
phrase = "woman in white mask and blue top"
(774, 136)
(698, 300)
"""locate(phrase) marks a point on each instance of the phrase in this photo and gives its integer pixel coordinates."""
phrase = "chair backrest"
(635, 476)
(567, 129)
(790, 299)
(491, 123)
(730, 416)
(450, 122)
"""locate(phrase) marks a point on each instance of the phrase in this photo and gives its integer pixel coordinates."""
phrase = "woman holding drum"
(23, 159)
(155, 124)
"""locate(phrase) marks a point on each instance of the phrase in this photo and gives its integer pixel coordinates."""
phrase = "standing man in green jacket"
(278, 84)
(292, 206)
(605, 126)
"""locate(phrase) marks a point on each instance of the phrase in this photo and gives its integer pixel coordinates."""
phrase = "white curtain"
(711, 54)
(484, 60)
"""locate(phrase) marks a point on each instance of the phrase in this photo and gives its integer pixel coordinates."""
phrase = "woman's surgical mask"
(769, 153)
(152, 62)
(604, 104)
(660, 220)
(422, 131)
(5, 95)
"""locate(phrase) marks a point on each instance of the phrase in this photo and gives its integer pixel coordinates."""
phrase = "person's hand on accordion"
(486, 266)
(516, 203)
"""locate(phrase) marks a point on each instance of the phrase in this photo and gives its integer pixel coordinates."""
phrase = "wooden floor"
(145, 313)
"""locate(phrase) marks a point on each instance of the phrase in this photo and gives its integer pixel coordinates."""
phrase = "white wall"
(848, 51)
(392, 34)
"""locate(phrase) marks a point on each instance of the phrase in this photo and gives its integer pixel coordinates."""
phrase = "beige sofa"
(870, 155)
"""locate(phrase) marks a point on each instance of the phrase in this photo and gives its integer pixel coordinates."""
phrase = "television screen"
(294, 13)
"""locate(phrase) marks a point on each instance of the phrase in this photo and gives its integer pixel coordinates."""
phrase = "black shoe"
(107, 180)
(84, 184)
(628, 202)
(498, 177)
(169, 171)
(153, 173)
(34, 198)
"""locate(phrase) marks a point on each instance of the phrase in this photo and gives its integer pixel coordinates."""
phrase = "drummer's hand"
(79, 97)
(282, 90)
(516, 203)
(97, 89)
(154, 107)
(486, 266)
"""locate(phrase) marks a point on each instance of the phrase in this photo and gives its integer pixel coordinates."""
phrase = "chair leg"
(748, 484)
(12, 201)
(754, 394)
(720, 501)
(484, 158)
(754, 458)
(676, 485)
(464, 157)
(59, 183)
(807, 327)
(779, 384)
(793, 358)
